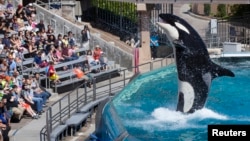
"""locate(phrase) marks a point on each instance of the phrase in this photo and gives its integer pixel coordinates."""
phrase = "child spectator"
(52, 73)
(97, 53)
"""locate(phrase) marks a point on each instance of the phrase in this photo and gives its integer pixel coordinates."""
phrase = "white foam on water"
(166, 119)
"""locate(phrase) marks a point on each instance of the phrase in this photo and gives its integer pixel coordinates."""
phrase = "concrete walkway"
(200, 24)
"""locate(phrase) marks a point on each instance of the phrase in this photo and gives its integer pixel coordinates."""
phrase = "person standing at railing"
(85, 37)
(72, 40)
(154, 44)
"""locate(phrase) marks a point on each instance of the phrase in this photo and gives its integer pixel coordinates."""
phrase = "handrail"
(70, 103)
(48, 4)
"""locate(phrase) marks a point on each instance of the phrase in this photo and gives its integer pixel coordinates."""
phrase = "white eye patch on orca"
(171, 30)
(180, 26)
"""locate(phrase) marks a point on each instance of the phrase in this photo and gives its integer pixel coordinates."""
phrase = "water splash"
(163, 119)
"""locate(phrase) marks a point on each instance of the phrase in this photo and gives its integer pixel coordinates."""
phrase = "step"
(127, 72)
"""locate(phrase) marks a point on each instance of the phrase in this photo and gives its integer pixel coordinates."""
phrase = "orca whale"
(195, 69)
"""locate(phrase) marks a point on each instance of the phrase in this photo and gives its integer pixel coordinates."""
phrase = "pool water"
(146, 107)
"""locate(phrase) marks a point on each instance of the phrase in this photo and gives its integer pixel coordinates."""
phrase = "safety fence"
(69, 104)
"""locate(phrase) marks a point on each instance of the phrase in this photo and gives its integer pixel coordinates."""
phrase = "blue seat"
(87, 108)
(58, 132)
(76, 121)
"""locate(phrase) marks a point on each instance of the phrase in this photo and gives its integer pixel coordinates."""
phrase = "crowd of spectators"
(19, 33)
(23, 38)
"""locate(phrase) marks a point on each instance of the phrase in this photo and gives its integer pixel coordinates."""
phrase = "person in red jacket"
(52, 73)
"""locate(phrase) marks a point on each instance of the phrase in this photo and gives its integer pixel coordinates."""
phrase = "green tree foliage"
(240, 9)
(207, 9)
(117, 8)
(221, 10)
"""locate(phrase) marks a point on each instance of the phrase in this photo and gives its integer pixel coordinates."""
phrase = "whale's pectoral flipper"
(179, 44)
(218, 71)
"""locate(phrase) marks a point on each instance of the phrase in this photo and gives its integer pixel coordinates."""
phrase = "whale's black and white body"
(195, 68)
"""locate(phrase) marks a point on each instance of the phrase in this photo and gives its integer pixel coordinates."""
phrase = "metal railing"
(69, 104)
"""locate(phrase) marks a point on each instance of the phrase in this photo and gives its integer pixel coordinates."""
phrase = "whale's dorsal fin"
(218, 71)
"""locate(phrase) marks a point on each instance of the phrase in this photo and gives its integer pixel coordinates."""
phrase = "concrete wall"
(199, 9)
(62, 26)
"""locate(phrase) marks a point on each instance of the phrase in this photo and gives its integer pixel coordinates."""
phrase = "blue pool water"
(146, 107)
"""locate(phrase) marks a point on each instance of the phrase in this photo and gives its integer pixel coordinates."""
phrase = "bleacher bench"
(58, 132)
(104, 75)
(76, 122)
(89, 108)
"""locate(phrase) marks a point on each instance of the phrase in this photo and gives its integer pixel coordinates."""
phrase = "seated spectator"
(26, 36)
(51, 41)
(31, 23)
(40, 25)
(12, 104)
(103, 62)
(17, 80)
(72, 52)
(65, 40)
(20, 21)
(4, 124)
(20, 11)
(41, 44)
(44, 34)
(15, 25)
(58, 42)
(12, 65)
(21, 37)
(68, 54)
(39, 87)
(50, 30)
(39, 62)
(31, 48)
(90, 59)
(4, 66)
(30, 9)
(13, 42)
(28, 108)
(38, 92)
(57, 53)
(6, 40)
(19, 44)
(97, 52)
(7, 28)
(29, 98)
(9, 12)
